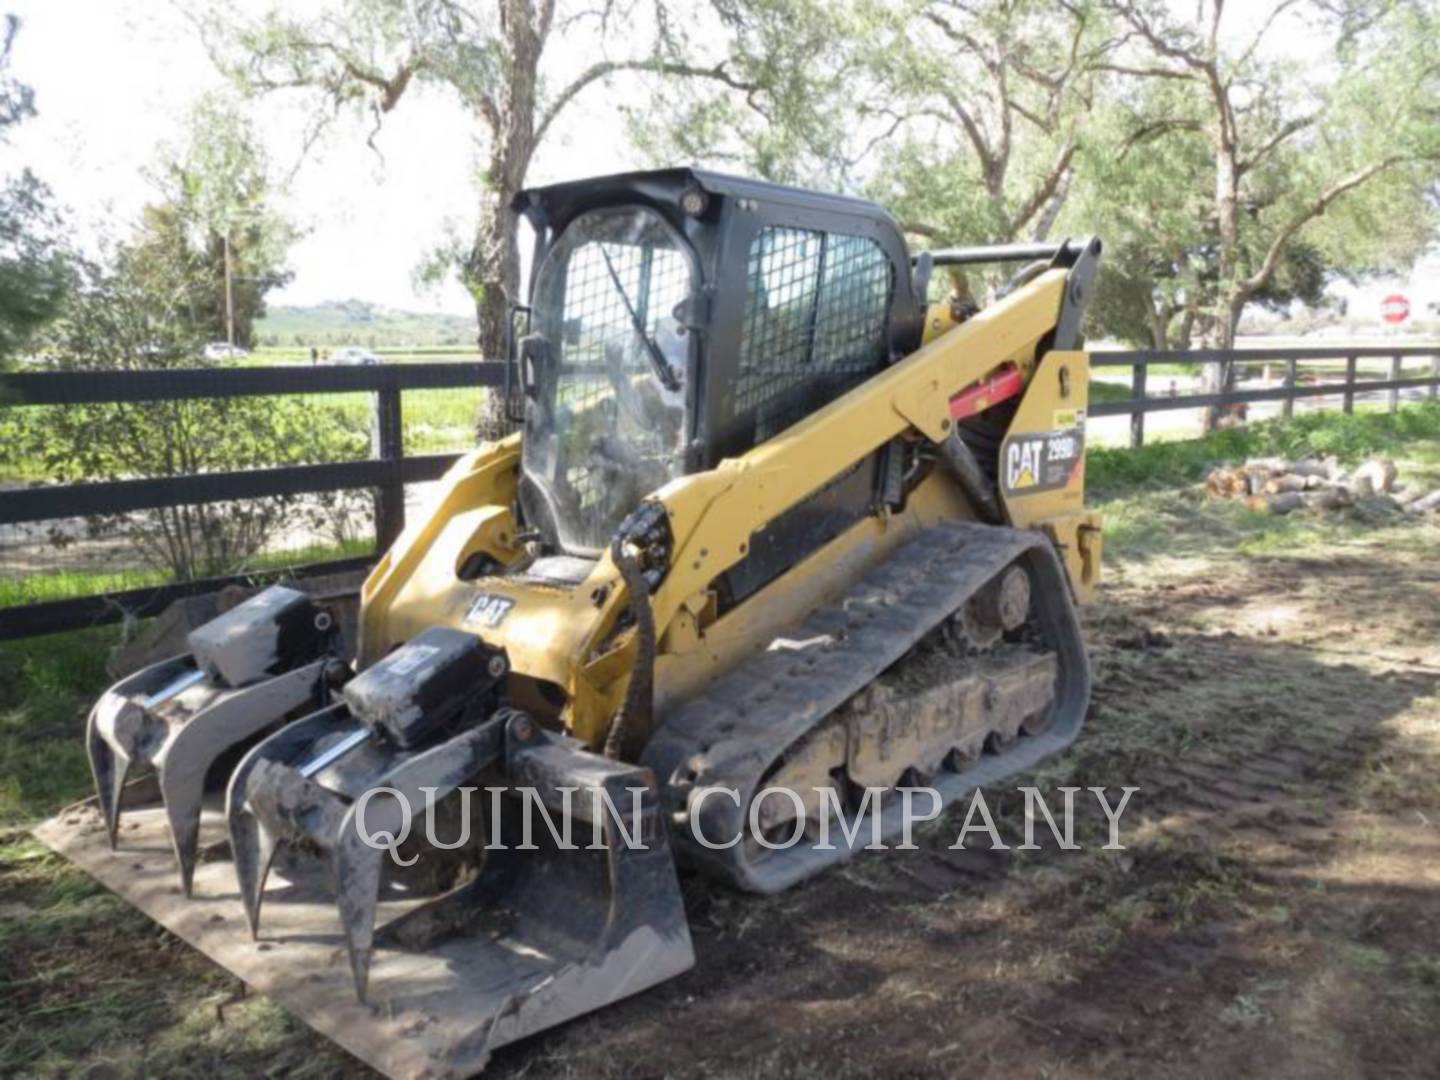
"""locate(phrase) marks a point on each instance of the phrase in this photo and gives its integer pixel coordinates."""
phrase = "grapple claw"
(253, 848)
(248, 670)
(108, 765)
(255, 833)
(438, 772)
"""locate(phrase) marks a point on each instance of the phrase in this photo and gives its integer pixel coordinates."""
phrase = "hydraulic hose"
(636, 711)
(978, 488)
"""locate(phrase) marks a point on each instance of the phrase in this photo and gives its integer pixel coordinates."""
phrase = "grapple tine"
(252, 845)
(182, 789)
(357, 895)
(108, 766)
(358, 865)
(252, 667)
(193, 748)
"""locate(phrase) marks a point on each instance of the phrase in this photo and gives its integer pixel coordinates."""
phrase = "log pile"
(1370, 491)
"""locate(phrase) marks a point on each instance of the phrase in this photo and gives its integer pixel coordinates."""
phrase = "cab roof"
(554, 205)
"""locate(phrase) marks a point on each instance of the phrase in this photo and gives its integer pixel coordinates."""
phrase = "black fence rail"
(386, 471)
(1291, 388)
(388, 468)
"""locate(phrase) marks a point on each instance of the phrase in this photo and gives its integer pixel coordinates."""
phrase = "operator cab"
(680, 317)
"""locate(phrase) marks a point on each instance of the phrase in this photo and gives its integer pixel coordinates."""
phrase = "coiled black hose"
(639, 703)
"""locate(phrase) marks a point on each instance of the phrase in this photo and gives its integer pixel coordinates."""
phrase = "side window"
(815, 322)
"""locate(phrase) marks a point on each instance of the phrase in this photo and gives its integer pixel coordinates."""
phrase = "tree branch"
(602, 68)
(1261, 277)
(1147, 73)
(1275, 13)
(972, 129)
(1045, 189)
(1158, 41)
(1300, 123)
(1156, 128)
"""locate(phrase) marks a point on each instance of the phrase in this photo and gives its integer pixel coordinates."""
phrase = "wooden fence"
(1142, 401)
(389, 469)
(386, 471)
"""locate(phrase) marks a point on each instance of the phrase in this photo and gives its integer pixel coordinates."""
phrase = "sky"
(113, 80)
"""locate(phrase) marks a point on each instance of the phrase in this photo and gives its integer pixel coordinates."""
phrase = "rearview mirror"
(534, 364)
(517, 324)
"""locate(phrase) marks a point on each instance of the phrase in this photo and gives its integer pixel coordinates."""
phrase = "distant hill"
(356, 322)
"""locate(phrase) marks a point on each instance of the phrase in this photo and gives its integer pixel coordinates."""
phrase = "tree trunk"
(1159, 325)
(1186, 332)
(493, 274)
(1220, 377)
(493, 269)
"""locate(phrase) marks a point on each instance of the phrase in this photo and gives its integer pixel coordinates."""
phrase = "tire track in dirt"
(1195, 952)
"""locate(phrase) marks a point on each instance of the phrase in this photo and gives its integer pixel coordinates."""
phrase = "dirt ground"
(1275, 911)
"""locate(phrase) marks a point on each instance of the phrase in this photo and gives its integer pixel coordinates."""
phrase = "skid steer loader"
(773, 522)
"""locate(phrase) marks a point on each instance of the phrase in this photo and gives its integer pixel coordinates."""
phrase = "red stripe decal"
(1003, 385)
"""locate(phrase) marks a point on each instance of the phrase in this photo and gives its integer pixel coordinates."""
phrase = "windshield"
(607, 424)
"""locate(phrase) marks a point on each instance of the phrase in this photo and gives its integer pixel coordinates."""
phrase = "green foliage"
(125, 319)
(1318, 434)
(1226, 172)
(796, 83)
(213, 210)
(35, 272)
(45, 686)
(1003, 120)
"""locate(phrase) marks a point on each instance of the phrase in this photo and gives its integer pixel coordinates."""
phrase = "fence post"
(1397, 368)
(1434, 376)
(1350, 385)
(1137, 419)
(387, 443)
(1291, 372)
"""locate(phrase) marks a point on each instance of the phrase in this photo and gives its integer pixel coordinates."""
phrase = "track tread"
(734, 732)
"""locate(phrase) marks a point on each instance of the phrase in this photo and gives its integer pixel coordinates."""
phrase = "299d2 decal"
(1041, 460)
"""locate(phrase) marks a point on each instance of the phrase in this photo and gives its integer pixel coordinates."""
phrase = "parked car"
(353, 354)
(222, 350)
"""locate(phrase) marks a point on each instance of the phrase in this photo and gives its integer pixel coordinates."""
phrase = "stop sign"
(1395, 308)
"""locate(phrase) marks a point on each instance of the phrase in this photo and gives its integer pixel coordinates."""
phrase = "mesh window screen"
(814, 324)
(610, 431)
(654, 280)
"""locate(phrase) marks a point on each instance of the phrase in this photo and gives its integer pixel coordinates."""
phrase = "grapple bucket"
(268, 659)
(565, 900)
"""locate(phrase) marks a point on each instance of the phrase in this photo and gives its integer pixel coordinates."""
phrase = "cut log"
(1426, 504)
(1330, 498)
(1278, 485)
(1309, 467)
(1380, 472)
(1286, 503)
(1225, 483)
(1313, 482)
(1274, 465)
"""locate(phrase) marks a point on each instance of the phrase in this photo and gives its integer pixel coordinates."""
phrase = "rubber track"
(733, 734)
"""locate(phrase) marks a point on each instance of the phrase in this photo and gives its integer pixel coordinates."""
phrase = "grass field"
(1273, 684)
(65, 584)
